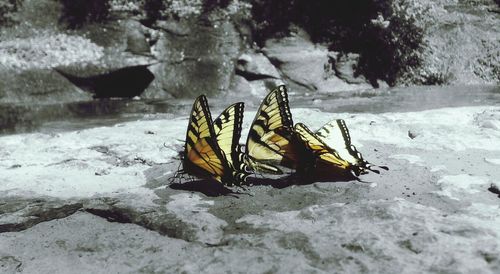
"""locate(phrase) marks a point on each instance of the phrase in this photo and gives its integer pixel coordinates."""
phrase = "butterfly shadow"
(208, 187)
(301, 179)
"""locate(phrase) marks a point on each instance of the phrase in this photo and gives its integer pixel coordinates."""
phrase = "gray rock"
(258, 88)
(305, 65)
(43, 86)
(179, 28)
(136, 38)
(253, 66)
(344, 66)
(201, 60)
(298, 59)
(461, 42)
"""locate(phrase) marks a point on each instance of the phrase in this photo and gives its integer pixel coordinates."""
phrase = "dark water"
(403, 99)
(62, 117)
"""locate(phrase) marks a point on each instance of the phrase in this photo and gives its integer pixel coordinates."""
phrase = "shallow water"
(27, 118)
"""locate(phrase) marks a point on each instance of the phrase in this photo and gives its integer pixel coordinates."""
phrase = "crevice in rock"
(28, 213)
(253, 76)
(39, 213)
(163, 223)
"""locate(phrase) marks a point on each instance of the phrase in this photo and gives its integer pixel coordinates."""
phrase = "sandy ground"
(98, 201)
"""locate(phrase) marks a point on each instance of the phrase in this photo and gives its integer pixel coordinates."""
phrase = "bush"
(78, 12)
(163, 9)
(387, 47)
(153, 10)
(209, 5)
(273, 18)
(7, 10)
(389, 53)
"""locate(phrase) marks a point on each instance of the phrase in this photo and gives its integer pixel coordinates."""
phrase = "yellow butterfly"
(336, 135)
(203, 156)
(321, 156)
(227, 128)
(271, 139)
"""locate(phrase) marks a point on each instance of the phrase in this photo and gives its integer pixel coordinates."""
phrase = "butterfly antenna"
(383, 167)
(361, 181)
(370, 167)
(373, 170)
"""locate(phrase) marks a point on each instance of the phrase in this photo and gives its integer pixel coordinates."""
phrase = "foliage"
(153, 10)
(7, 11)
(209, 5)
(388, 42)
(47, 49)
(78, 12)
(162, 9)
(273, 18)
(388, 53)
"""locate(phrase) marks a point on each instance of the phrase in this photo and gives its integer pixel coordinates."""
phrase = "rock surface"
(98, 200)
(198, 58)
(462, 43)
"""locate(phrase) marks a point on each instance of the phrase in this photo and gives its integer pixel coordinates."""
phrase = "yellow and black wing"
(336, 135)
(227, 129)
(271, 138)
(202, 154)
(319, 149)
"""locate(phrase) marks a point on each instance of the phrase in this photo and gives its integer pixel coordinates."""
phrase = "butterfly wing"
(202, 155)
(319, 148)
(336, 135)
(271, 138)
(227, 128)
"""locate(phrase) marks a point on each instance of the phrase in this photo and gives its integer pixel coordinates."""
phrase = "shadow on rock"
(301, 179)
(207, 187)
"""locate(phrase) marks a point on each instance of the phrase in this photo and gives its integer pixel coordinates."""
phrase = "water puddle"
(24, 118)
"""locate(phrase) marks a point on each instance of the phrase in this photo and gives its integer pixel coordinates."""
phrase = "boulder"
(344, 66)
(197, 57)
(258, 88)
(37, 86)
(137, 38)
(461, 41)
(255, 75)
(300, 61)
(253, 65)
(304, 65)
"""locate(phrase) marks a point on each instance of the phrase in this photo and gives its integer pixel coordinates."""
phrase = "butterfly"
(320, 154)
(336, 135)
(271, 139)
(208, 143)
(227, 128)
